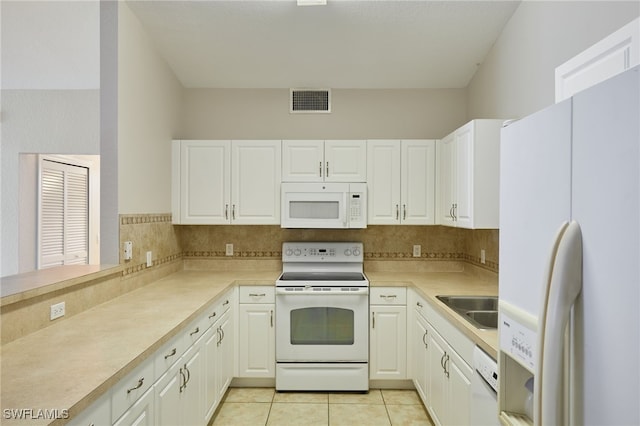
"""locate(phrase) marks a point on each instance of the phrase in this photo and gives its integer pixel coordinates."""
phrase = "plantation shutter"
(64, 215)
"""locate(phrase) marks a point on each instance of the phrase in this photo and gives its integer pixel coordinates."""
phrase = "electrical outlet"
(417, 250)
(57, 310)
(128, 250)
(229, 250)
(149, 259)
(483, 256)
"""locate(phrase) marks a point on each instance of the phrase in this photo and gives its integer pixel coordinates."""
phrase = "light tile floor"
(265, 406)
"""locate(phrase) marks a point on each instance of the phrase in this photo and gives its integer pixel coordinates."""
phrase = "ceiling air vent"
(310, 100)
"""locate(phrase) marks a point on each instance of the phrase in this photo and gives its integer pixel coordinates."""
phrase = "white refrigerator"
(569, 282)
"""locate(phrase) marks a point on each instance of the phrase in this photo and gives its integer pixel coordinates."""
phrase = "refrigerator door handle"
(563, 288)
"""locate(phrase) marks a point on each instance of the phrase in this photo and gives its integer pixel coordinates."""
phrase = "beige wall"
(517, 76)
(149, 100)
(356, 114)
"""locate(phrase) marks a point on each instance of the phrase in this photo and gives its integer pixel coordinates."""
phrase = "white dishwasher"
(484, 387)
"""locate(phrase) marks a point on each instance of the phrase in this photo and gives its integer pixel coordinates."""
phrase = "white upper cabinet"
(610, 56)
(401, 182)
(226, 182)
(324, 161)
(201, 182)
(469, 176)
(255, 182)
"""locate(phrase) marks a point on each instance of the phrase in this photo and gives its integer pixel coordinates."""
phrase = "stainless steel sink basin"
(470, 303)
(481, 311)
(483, 319)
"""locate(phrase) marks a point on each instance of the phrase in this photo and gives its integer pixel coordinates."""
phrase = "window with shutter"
(63, 237)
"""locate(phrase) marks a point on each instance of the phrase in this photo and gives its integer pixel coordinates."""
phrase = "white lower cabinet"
(141, 413)
(419, 346)
(168, 392)
(179, 391)
(224, 353)
(450, 385)
(441, 376)
(388, 333)
(256, 334)
(191, 389)
(98, 413)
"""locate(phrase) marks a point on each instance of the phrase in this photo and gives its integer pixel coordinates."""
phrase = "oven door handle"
(333, 292)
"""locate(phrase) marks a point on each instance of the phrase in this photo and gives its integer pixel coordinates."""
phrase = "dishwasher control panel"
(486, 367)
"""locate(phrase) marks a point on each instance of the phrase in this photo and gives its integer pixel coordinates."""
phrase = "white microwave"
(324, 205)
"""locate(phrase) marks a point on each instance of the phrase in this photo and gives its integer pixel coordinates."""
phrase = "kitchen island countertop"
(69, 365)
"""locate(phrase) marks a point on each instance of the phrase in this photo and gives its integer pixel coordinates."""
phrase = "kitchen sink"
(481, 311)
(470, 303)
(483, 319)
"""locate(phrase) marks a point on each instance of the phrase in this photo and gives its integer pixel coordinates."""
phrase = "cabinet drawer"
(388, 296)
(217, 309)
(169, 353)
(257, 294)
(132, 387)
(196, 330)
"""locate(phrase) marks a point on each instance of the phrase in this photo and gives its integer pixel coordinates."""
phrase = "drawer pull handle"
(212, 315)
(226, 302)
(419, 304)
(196, 331)
(257, 294)
(388, 296)
(138, 386)
(173, 352)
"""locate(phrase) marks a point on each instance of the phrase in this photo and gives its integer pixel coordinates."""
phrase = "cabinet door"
(388, 340)
(257, 340)
(447, 180)
(383, 182)
(210, 394)
(224, 365)
(459, 390)
(168, 390)
(345, 161)
(302, 161)
(420, 348)
(191, 407)
(438, 400)
(418, 182)
(255, 184)
(98, 413)
(141, 412)
(464, 172)
(204, 182)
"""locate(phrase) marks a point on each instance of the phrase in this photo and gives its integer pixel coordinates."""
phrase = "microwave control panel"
(357, 205)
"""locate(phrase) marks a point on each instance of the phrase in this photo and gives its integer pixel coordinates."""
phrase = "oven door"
(316, 324)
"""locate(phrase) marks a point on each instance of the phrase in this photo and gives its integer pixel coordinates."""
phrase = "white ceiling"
(345, 44)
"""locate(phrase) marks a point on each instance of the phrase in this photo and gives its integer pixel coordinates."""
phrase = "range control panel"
(322, 252)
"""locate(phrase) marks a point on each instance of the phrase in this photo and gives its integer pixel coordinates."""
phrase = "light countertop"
(70, 364)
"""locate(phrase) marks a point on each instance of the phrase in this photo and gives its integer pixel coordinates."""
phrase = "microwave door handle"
(346, 201)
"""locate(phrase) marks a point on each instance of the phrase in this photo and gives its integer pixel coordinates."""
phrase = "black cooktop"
(322, 276)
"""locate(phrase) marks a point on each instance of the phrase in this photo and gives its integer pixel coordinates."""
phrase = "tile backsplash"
(437, 243)
(171, 243)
